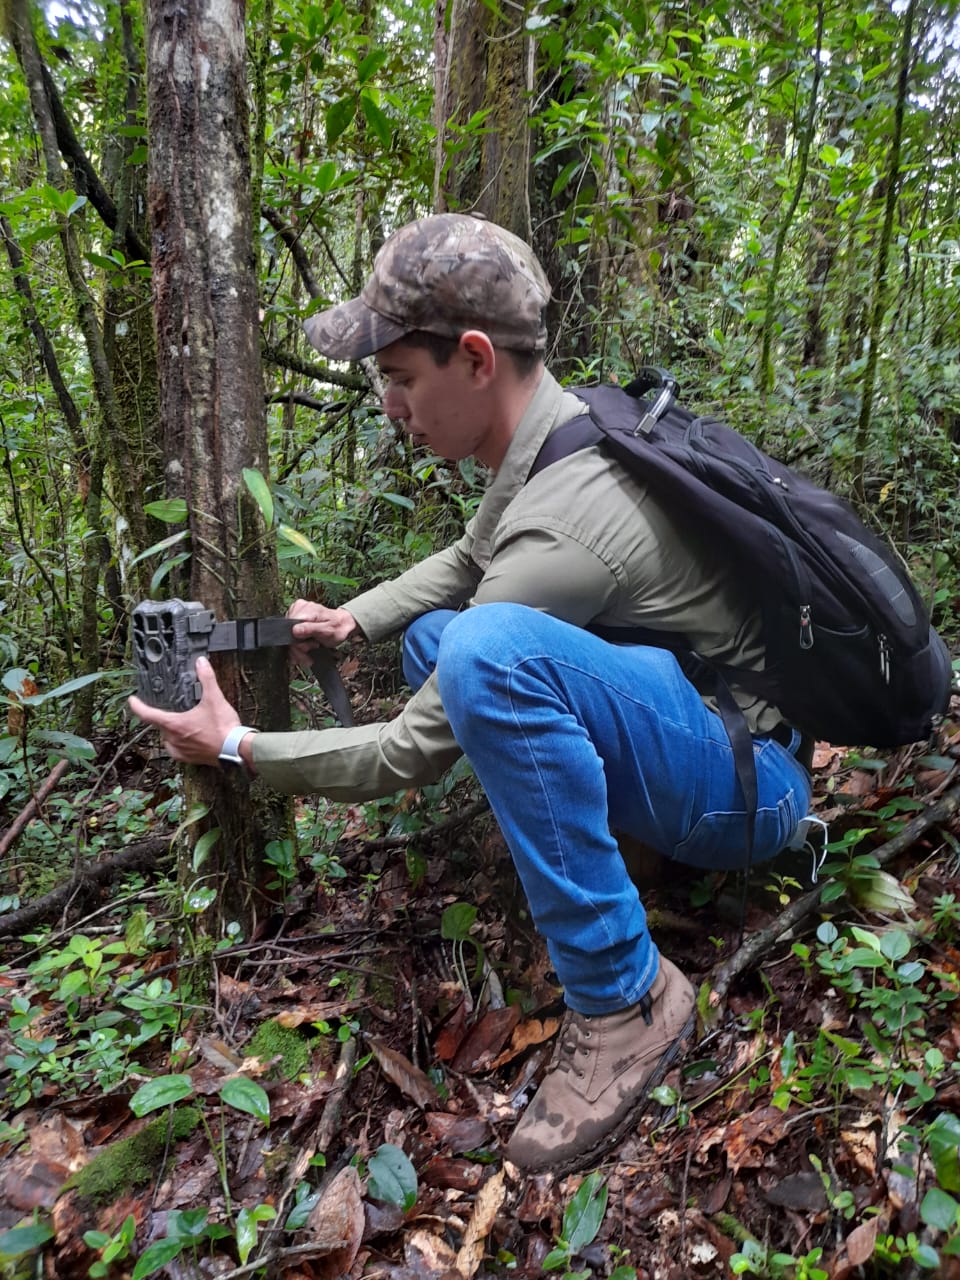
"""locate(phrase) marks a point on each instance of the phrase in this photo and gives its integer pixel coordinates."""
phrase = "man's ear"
(478, 350)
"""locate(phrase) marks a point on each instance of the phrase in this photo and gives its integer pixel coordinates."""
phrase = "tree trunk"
(211, 397)
(483, 63)
(880, 286)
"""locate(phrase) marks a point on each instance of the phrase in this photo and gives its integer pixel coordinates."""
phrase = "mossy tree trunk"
(211, 399)
(483, 64)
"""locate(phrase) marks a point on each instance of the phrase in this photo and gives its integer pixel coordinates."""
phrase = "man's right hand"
(316, 624)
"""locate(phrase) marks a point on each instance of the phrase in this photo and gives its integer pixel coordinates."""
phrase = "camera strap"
(244, 634)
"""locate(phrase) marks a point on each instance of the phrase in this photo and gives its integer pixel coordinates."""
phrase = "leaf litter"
(785, 1133)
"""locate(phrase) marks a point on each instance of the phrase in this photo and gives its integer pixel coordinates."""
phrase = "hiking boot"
(600, 1075)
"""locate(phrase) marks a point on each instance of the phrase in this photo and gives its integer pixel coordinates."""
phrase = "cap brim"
(351, 331)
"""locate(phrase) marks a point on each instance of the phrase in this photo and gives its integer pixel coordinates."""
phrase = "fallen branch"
(135, 857)
(32, 807)
(405, 838)
(715, 988)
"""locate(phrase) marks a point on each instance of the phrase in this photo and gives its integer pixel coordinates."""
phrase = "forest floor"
(332, 1097)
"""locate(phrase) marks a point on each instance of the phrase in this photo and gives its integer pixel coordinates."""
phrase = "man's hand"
(194, 736)
(316, 624)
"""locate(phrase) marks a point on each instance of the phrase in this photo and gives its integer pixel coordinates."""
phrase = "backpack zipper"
(806, 627)
(884, 647)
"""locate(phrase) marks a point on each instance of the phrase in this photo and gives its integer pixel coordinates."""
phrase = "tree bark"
(212, 398)
(483, 63)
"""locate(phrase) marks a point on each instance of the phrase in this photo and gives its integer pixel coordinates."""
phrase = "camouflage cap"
(443, 274)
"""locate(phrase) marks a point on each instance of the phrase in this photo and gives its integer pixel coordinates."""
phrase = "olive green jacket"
(583, 541)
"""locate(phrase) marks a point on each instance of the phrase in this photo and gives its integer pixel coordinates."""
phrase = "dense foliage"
(762, 198)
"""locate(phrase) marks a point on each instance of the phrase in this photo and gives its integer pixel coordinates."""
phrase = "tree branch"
(136, 856)
(291, 238)
(309, 369)
(85, 178)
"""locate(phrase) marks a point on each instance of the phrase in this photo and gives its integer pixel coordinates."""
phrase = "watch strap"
(230, 751)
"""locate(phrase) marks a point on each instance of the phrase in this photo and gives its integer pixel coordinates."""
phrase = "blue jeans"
(571, 737)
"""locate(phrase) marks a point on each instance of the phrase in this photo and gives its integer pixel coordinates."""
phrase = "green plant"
(582, 1219)
(755, 1259)
(187, 1230)
(455, 925)
(281, 855)
(111, 1248)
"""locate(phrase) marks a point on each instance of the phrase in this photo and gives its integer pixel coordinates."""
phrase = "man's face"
(439, 406)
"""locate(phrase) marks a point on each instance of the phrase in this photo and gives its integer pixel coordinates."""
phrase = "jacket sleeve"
(445, 580)
(543, 568)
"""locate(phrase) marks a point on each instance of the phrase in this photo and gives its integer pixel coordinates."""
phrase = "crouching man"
(571, 737)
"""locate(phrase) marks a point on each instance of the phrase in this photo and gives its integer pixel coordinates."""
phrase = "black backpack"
(851, 656)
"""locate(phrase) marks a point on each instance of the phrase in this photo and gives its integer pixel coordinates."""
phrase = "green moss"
(133, 1161)
(287, 1045)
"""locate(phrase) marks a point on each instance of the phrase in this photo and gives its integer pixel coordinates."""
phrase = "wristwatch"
(230, 751)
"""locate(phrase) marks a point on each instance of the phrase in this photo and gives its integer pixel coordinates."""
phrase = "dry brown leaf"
(485, 1039)
(319, 1012)
(456, 1173)
(335, 1225)
(862, 1146)
(861, 1242)
(231, 989)
(399, 1070)
(451, 1033)
(527, 1034)
(219, 1054)
(458, 1133)
(427, 1255)
(486, 1207)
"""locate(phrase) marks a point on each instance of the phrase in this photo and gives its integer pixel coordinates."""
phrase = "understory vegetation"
(307, 1068)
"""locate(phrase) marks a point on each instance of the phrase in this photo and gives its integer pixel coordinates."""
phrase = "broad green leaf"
(162, 545)
(20, 1240)
(161, 572)
(71, 686)
(400, 500)
(457, 921)
(325, 176)
(156, 1256)
(943, 1144)
(371, 64)
(298, 539)
(261, 493)
(393, 1178)
(247, 1223)
(940, 1210)
(187, 1224)
(160, 1092)
(246, 1095)
(339, 117)
(169, 510)
(375, 118)
(584, 1214)
(895, 944)
(201, 850)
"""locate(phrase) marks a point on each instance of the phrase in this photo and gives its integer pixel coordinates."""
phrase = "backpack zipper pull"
(806, 628)
(884, 648)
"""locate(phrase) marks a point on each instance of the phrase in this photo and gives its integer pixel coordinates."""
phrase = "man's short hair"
(442, 275)
(443, 350)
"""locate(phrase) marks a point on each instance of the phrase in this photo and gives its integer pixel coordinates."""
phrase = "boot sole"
(573, 1164)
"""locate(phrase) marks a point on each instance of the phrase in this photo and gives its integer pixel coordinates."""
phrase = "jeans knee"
(421, 641)
(473, 650)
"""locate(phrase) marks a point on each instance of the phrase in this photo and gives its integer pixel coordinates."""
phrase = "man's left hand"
(194, 736)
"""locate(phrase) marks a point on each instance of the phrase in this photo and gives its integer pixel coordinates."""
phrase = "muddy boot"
(601, 1072)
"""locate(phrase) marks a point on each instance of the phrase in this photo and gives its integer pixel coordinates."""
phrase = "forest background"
(761, 198)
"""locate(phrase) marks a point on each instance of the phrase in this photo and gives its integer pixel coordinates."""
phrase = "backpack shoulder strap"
(610, 408)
